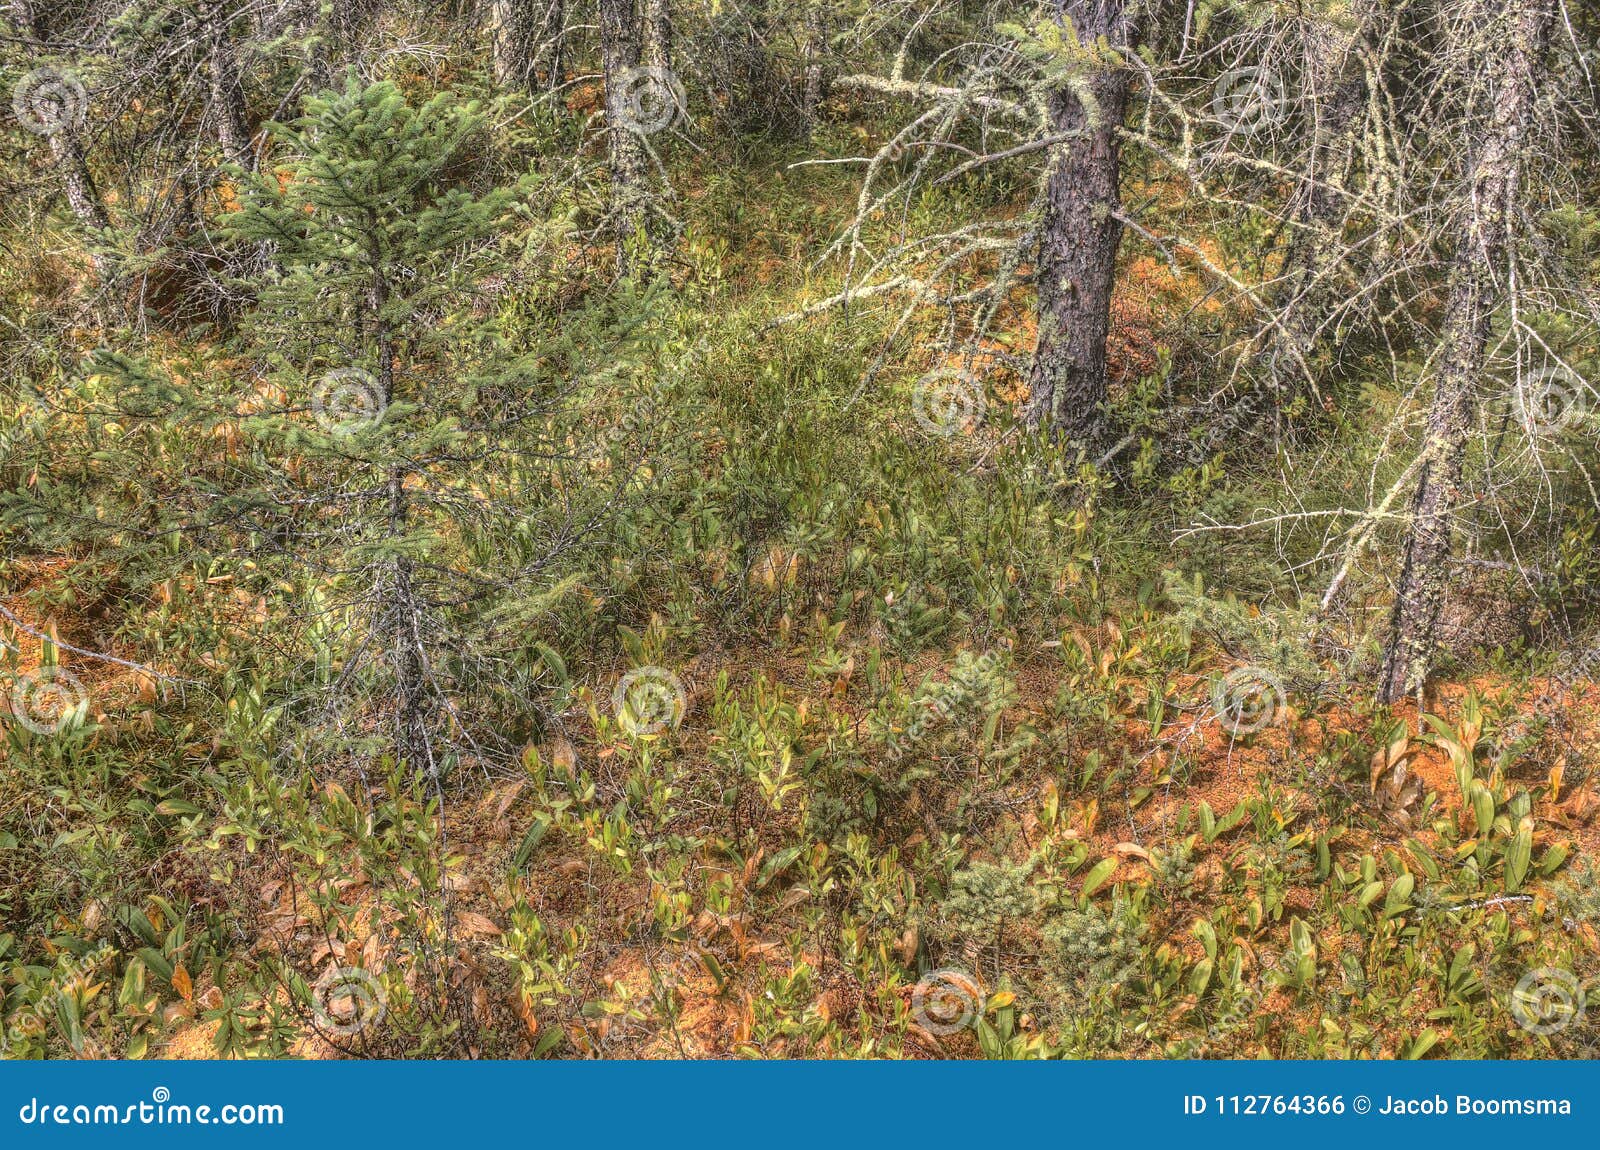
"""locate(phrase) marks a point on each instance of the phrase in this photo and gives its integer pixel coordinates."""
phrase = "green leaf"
(157, 962)
(541, 824)
(778, 863)
(1420, 1045)
(1482, 807)
(1399, 900)
(134, 919)
(1553, 858)
(1096, 878)
(1518, 855)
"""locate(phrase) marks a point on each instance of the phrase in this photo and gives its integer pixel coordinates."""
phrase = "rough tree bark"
(1513, 37)
(66, 150)
(551, 42)
(1336, 90)
(658, 33)
(620, 50)
(227, 90)
(1080, 233)
(814, 79)
(510, 41)
(525, 42)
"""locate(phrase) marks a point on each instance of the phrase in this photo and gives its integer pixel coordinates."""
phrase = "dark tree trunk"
(399, 607)
(620, 50)
(511, 42)
(1080, 235)
(814, 82)
(66, 151)
(1515, 44)
(550, 42)
(1336, 90)
(227, 90)
(658, 33)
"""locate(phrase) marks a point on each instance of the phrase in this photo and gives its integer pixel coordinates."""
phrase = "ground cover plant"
(799, 528)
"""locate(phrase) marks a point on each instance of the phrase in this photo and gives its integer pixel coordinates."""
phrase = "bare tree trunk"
(1336, 89)
(1514, 40)
(620, 48)
(66, 150)
(658, 33)
(227, 90)
(1081, 233)
(399, 607)
(814, 79)
(510, 42)
(550, 42)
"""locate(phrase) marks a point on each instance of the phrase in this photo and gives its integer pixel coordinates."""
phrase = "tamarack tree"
(1508, 42)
